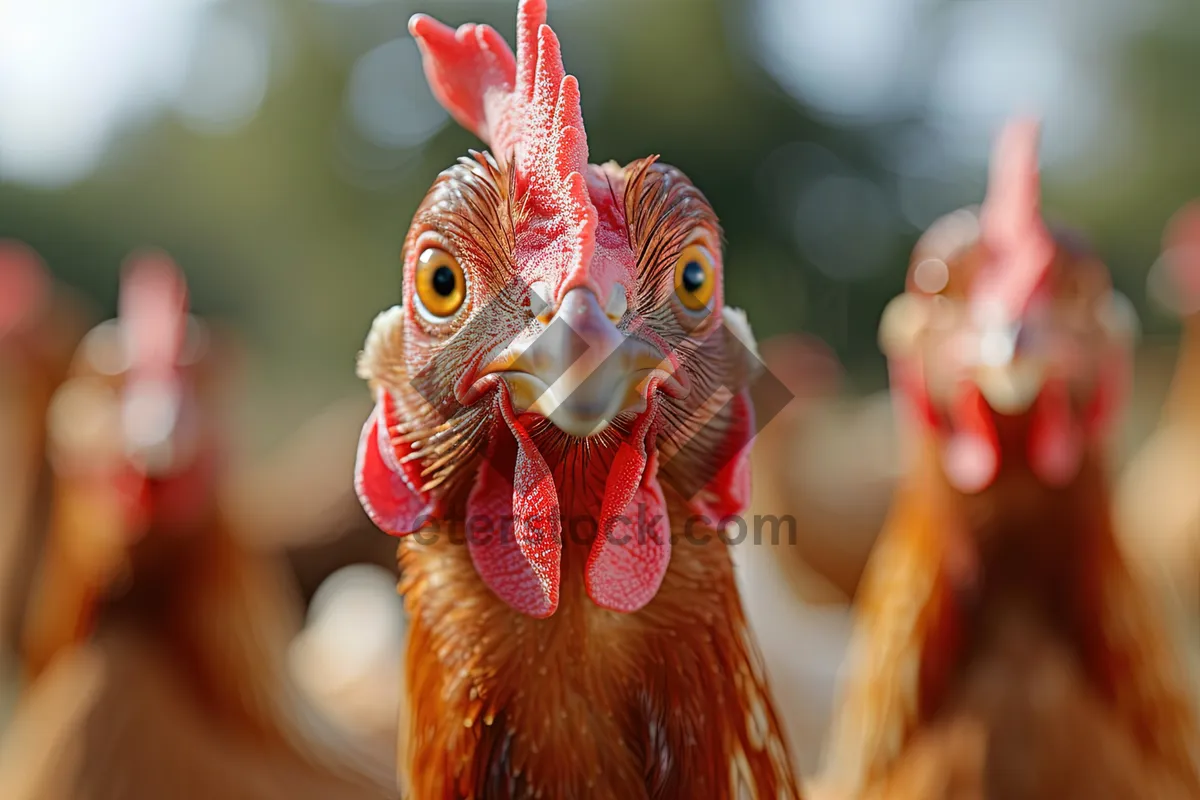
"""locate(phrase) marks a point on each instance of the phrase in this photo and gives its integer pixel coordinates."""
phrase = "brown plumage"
(40, 324)
(997, 601)
(669, 703)
(1054, 631)
(155, 638)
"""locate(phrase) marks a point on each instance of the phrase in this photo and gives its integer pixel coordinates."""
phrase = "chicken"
(155, 641)
(23, 289)
(39, 326)
(561, 422)
(40, 323)
(1004, 648)
(1157, 507)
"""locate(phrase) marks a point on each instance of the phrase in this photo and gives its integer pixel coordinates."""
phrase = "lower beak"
(580, 372)
(1012, 388)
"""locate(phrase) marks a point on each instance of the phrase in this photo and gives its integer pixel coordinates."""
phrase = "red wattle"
(629, 557)
(1056, 444)
(520, 562)
(971, 459)
(386, 486)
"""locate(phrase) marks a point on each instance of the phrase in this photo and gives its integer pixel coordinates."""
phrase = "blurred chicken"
(40, 323)
(155, 641)
(25, 385)
(1158, 505)
(1003, 646)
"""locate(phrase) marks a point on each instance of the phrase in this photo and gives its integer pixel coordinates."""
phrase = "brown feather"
(182, 684)
(670, 702)
(1049, 602)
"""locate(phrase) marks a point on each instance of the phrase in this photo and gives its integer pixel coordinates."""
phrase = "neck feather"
(670, 700)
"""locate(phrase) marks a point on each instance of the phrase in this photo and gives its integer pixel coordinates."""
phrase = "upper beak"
(151, 412)
(580, 371)
(1012, 388)
(1009, 380)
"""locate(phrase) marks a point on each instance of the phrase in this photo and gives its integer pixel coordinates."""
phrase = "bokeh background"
(276, 148)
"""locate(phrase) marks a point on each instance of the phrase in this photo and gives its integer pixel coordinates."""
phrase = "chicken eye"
(694, 278)
(441, 286)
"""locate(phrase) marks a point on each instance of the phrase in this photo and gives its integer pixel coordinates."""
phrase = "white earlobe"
(736, 319)
(905, 317)
(737, 323)
(382, 356)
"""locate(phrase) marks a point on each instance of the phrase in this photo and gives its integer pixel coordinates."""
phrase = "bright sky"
(74, 72)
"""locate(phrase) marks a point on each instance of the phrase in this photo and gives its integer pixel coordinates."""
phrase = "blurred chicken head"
(127, 429)
(563, 337)
(1009, 343)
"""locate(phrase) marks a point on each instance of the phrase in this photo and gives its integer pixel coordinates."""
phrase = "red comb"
(24, 284)
(525, 108)
(153, 311)
(1182, 244)
(1011, 223)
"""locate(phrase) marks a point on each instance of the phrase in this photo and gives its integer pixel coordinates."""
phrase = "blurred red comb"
(24, 284)
(525, 108)
(153, 309)
(1011, 224)
(1181, 242)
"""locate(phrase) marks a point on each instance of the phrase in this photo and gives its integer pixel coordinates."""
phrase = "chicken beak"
(1009, 380)
(1013, 388)
(151, 415)
(581, 371)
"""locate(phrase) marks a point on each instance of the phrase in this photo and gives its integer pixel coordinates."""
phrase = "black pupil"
(693, 276)
(444, 281)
